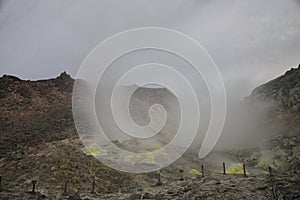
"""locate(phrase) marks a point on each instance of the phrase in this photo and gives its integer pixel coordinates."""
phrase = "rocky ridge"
(284, 90)
(33, 112)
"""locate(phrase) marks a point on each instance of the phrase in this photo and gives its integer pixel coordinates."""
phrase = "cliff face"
(283, 93)
(32, 112)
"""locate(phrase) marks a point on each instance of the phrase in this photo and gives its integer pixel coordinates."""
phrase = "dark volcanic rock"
(34, 111)
(284, 90)
(283, 93)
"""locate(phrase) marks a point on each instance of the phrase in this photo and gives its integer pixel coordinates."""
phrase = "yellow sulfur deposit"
(264, 164)
(145, 158)
(195, 172)
(149, 158)
(156, 148)
(75, 190)
(129, 159)
(94, 150)
(236, 169)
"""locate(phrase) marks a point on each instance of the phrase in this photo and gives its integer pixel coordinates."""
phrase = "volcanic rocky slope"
(283, 94)
(284, 90)
(38, 142)
(33, 112)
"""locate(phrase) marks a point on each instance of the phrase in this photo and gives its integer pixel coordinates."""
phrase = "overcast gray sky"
(251, 41)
